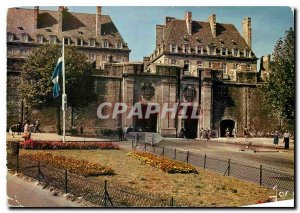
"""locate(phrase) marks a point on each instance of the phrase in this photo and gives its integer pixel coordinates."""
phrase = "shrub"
(81, 167)
(163, 163)
(49, 145)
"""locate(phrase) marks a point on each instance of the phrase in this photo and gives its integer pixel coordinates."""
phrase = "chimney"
(159, 34)
(247, 34)
(169, 19)
(36, 14)
(188, 21)
(98, 20)
(60, 18)
(212, 21)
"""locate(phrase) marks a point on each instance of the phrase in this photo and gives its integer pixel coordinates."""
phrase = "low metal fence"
(262, 175)
(100, 193)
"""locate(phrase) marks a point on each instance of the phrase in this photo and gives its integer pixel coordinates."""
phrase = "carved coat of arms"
(147, 91)
(189, 93)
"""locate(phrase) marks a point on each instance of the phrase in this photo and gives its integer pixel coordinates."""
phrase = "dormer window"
(24, 38)
(67, 40)
(119, 45)
(235, 52)
(186, 48)
(92, 42)
(40, 39)
(173, 48)
(211, 50)
(247, 53)
(199, 50)
(223, 51)
(10, 37)
(52, 39)
(105, 44)
(79, 42)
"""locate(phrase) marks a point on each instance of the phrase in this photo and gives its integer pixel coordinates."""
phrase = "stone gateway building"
(208, 64)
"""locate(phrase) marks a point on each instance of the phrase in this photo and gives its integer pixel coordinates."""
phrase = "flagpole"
(64, 93)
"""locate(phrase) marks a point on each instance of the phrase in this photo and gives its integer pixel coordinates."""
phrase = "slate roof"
(227, 35)
(75, 25)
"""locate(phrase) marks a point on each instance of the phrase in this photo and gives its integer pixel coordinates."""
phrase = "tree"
(280, 87)
(37, 86)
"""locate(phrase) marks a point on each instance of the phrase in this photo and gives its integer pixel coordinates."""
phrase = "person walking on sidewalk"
(276, 138)
(36, 126)
(286, 139)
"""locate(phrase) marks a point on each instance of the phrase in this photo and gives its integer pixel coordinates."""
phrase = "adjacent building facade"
(207, 64)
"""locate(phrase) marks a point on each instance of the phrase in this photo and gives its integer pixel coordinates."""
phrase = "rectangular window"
(223, 51)
(10, 37)
(24, 38)
(235, 52)
(199, 50)
(119, 45)
(186, 67)
(40, 39)
(105, 44)
(186, 49)
(66, 40)
(211, 50)
(225, 68)
(79, 42)
(92, 42)
(209, 64)
(200, 63)
(173, 48)
(248, 67)
(173, 61)
(52, 39)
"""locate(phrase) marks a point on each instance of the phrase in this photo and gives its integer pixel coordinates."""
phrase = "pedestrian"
(276, 138)
(130, 129)
(227, 133)
(27, 133)
(19, 128)
(36, 126)
(286, 139)
(201, 133)
(208, 134)
(181, 133)
(125, 130)
(234, 133)
(120, 132)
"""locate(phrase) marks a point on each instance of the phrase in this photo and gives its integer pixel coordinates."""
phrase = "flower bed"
(163, 163)
(33, 144)
(80, 167)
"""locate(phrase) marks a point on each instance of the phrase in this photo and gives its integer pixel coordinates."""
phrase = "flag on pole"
(55, 77)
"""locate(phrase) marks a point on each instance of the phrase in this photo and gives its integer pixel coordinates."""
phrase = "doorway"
(146, 125)
(226, 124)
(190, 125)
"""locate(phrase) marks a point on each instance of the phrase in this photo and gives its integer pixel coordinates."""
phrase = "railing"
(100, 193)
(262, 175)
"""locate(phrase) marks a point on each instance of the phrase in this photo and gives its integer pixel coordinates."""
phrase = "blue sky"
(137, 24)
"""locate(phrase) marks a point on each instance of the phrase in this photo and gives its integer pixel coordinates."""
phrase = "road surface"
(21, 193)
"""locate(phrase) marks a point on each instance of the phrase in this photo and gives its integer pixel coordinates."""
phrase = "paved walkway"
(21, 193)
(54, 137)
(259, 142)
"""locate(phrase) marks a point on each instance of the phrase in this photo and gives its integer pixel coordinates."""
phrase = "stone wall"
(245, 105)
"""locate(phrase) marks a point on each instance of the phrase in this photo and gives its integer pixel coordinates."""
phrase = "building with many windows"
(93, 34)
(206, 64)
